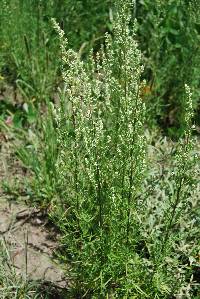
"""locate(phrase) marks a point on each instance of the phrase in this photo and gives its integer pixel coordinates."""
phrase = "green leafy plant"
(125, 201)
(101, 158)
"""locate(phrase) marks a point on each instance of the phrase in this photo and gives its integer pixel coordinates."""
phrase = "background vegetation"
(168, 35)
(111, 144)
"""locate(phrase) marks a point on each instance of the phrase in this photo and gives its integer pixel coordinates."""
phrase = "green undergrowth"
(168, 35)
(29, 46)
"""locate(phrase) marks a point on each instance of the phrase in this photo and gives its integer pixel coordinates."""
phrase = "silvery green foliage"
(169, 217)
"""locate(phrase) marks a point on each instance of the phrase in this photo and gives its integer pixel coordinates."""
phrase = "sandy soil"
(29, 238)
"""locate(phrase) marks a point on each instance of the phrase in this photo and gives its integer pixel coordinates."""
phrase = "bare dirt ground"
(31, 242)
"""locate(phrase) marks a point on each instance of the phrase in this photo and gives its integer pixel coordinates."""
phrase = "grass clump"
(13, 285)
(28, 43)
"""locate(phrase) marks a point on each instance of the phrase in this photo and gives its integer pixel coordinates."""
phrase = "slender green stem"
(99, 196)
(170, 225)
(76, 162)
(131, 169)
(178, 197)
